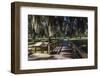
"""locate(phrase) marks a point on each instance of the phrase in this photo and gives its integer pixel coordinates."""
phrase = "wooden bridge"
(72, 51)
(69, 51)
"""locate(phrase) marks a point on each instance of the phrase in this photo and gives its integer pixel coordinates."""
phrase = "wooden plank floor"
(60, 52)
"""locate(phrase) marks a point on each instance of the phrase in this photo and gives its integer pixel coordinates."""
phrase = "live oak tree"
(57, 26)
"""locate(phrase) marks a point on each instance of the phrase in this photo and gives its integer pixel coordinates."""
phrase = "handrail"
(76, 50)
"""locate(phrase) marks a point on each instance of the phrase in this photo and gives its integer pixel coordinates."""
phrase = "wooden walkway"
(61, 52)
(73, 52)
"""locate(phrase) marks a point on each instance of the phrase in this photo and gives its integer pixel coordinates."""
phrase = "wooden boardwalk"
(60, 52)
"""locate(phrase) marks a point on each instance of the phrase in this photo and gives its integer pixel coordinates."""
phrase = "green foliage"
(44, 27)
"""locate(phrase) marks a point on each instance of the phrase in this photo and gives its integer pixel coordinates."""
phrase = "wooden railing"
(76, 51)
